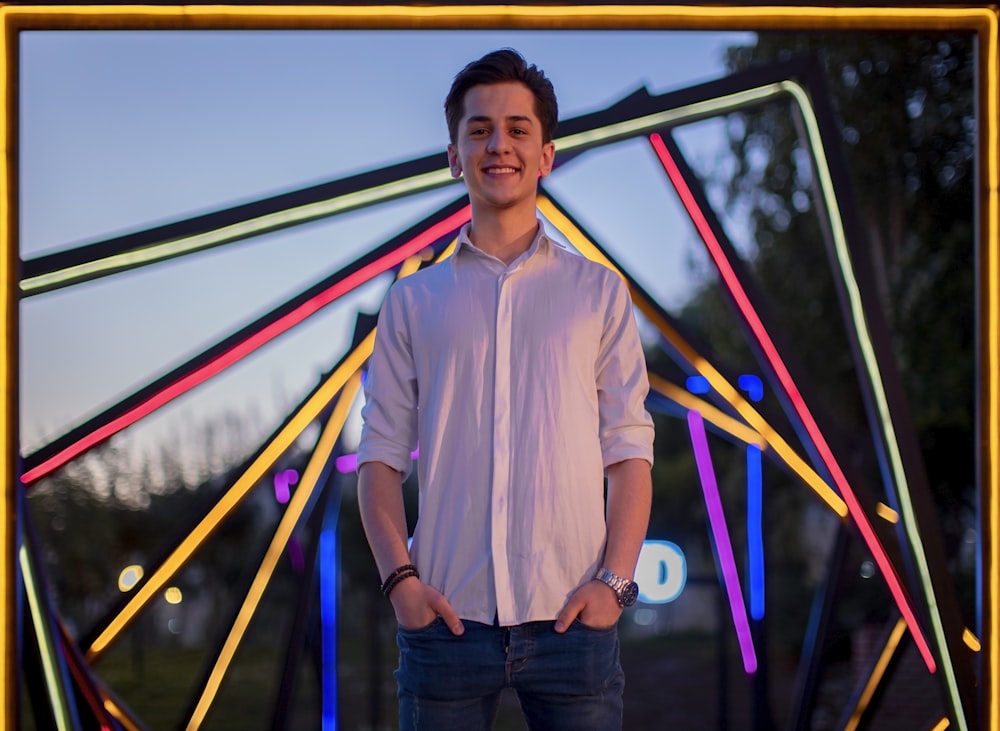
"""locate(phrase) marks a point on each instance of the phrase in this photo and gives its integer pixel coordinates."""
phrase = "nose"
(497, 142)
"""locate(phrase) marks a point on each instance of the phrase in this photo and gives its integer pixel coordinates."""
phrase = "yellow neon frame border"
(982, 20)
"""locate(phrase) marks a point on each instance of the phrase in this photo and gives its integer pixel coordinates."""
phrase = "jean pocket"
(580, 624)
(421, 630)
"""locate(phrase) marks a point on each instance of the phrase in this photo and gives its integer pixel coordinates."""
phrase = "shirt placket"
(500, 492)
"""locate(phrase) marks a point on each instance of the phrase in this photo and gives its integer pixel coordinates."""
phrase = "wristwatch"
(626, 591)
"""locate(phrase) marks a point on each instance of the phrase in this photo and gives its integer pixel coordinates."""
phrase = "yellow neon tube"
(711, 413)
(284, 439)
(718, 381)
(802, 101)
(321, 453)
(8, 387)
(111, 707)
(296, 506)
(989, 279)
(971, 641)
(657, 16)
(528, 16)
(799, 466)
(886, 513)
(395, 189)
(876, 677)
(246, 482)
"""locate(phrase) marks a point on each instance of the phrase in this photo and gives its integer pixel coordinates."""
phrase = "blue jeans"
(571, 681)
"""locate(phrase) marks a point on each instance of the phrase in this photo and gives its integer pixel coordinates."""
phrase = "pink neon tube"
(781, 371)
(723, 546)
(248, 346)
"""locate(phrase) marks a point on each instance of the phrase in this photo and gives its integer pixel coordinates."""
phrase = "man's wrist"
(626, 590)
(400, 574)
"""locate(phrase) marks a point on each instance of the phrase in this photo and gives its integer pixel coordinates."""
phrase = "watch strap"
(618, 584)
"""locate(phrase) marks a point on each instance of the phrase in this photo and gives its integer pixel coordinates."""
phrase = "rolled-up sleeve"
(389, 428)
(626, 428)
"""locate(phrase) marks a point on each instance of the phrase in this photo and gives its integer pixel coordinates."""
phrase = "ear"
(548, 157)
(453, 162)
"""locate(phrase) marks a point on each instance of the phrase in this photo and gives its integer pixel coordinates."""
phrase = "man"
(516, 365)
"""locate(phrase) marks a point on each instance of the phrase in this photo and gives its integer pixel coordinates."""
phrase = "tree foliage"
(120, 505)
(905, 106)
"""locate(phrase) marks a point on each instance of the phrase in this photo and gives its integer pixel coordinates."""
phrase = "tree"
(905, 107)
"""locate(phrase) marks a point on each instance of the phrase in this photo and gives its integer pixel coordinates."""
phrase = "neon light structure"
(348, 463)
(736, 288)
(875, 677)
(296, 507)
(67, 669)
(723, 546)
(755, 509)
(663, 322)
(233, 350)
(328, 578)
(283, 482)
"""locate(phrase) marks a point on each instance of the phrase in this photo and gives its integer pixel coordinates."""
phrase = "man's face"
(499, 146)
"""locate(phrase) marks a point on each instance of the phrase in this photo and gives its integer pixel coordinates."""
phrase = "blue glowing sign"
(661, 572)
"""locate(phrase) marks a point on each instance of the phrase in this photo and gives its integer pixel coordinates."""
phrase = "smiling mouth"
(499, 170)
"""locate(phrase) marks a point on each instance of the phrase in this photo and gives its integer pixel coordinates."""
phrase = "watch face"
(630, 594)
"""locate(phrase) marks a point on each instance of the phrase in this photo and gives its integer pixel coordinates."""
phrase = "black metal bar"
(331, 522)
(865, 718)
(29, 658)
(306, 604)
(279, 711)
(209, 222)
(838, 442)
(722, 638)
(634, 106)
(641, 296)
(820, 618)
(186, 529)
(244, 333)
(927, 520)
(94, 690)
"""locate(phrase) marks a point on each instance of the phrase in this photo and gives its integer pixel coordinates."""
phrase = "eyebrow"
(516, 118)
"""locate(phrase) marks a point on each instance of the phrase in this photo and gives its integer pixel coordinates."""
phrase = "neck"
(503, 237)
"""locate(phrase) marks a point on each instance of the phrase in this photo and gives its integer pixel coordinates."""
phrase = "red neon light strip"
(773, 357)
(252, 343)
(83, 681)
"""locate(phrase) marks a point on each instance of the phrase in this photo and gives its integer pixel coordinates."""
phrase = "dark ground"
(673, 682)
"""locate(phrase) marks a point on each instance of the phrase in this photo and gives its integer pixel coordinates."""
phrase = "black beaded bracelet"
(396, 579)
(390, 579)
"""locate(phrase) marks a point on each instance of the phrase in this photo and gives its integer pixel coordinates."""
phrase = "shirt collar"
(541, 239)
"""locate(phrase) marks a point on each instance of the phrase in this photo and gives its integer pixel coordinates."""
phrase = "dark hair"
(497, 67)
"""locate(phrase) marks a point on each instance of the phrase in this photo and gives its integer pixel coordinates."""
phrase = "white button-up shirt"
(521, 383)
